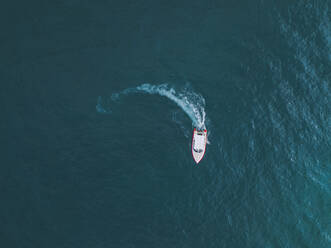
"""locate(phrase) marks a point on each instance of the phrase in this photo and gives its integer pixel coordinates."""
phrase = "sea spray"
(191, 103)
(100, 107)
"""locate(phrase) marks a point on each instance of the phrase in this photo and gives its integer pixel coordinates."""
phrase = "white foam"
(99, 107)
(190, 102)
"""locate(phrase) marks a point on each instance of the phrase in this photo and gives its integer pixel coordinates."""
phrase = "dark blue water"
(99, 100)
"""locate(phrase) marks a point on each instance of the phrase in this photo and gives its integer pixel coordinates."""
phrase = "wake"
(191, 103)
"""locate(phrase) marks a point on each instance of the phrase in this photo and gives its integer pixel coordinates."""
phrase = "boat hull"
(199, 141)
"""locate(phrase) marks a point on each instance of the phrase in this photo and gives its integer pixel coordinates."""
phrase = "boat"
(199, 141)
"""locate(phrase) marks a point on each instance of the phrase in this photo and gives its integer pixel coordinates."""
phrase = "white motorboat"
(199, 142)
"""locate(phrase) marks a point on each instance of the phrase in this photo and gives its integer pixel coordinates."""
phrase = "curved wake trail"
(190, 102)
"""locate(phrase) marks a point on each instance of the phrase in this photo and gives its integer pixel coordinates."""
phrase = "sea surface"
(98, 103)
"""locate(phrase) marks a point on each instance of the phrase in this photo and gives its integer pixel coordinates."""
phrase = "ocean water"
(99, 100)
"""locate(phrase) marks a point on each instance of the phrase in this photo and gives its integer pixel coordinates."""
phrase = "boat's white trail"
(191, 103)
(101, 106)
